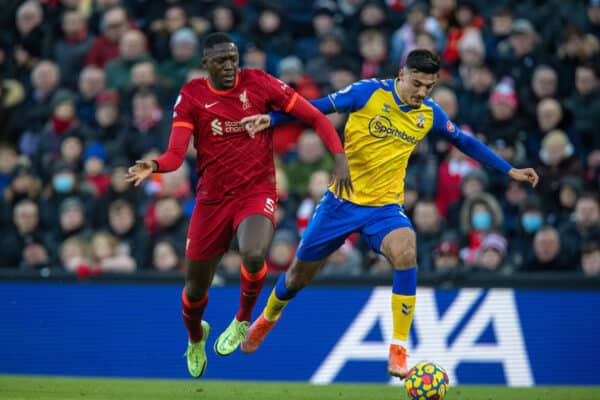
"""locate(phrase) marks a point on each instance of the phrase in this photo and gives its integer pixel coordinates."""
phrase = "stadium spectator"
(492, 254)
(64, 183)
(29, 118)
(270, 31)
(147, 129)
(584, 104)
(104, 254)
(167, 221)
(94, 160)
(70, 50)
(291, 71)
(25, 225)
(166, 257)
(544, 85)
(282, 251)
(479, 216)
(593, 18)
(569, 190)
(332, 46)
(502, 121)
(133, 239)
(92, 82)
(345, 261)
(31, 41)
(549, 253)
(73, 254)
(585, 225)
(162, 30)
(109, 125)
(182, 58)
(311, 157)
(522, 54)
(9, 158)
(372, 48)
(132, 50)
(475, 93)
(550, 115)
(557, 161)
(467, 20)
(62, 125)
(445, 257)
(590, 258)
(114, 24)
(318, 184)
(36, 254)
(428, 226)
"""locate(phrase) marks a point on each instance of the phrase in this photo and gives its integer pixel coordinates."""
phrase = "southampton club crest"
(420, 121)
(244, 99)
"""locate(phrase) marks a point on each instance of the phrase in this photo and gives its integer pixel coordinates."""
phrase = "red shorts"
(212, 226)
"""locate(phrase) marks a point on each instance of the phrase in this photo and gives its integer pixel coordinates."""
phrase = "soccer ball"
(426, 381)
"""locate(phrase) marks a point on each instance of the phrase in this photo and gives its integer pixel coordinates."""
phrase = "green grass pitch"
(54, 388)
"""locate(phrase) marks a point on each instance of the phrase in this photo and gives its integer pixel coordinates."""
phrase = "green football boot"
(196, 353)
(231, 338)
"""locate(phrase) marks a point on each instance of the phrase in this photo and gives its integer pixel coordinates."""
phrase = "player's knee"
(194, 292)
(404, 257)
(253, 257)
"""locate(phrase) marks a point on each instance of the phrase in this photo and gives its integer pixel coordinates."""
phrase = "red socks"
(192, 316)
(250, 286)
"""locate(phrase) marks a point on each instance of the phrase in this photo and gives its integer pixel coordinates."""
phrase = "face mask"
(481, 220)
(531, 222)
(63, 183)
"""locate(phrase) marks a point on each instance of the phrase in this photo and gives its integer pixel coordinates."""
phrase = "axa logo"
(450, 335)
(381, 127)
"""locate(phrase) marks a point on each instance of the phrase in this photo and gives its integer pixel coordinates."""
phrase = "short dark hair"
(424, 61)
(217, 38)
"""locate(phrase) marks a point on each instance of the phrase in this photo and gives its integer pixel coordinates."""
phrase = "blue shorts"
(334, 219)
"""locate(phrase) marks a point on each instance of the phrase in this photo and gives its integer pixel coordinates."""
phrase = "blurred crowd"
(87, 87)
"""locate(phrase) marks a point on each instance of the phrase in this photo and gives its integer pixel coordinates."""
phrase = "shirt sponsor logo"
(381, 127)
(219, 128)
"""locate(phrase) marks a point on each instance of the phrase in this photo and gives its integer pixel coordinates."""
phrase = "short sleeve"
(280, 95)
(353, 97)
(183, 111)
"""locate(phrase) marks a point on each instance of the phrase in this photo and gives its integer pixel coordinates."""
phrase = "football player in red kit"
(236, 190)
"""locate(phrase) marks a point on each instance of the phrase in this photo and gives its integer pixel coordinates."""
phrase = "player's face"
(415, 86)
(222, 63)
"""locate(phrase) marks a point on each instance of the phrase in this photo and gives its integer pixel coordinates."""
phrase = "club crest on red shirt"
(244, 99)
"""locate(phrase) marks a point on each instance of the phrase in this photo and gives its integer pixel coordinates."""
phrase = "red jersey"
(229, 162)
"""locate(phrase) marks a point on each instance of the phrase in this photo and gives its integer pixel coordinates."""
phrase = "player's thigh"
(400, 247)
(254, 222)
(254, 234)
(330, 225)
(210, 231)
(391, 233)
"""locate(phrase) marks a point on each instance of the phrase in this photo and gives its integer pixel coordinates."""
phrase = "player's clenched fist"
(139, 171)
